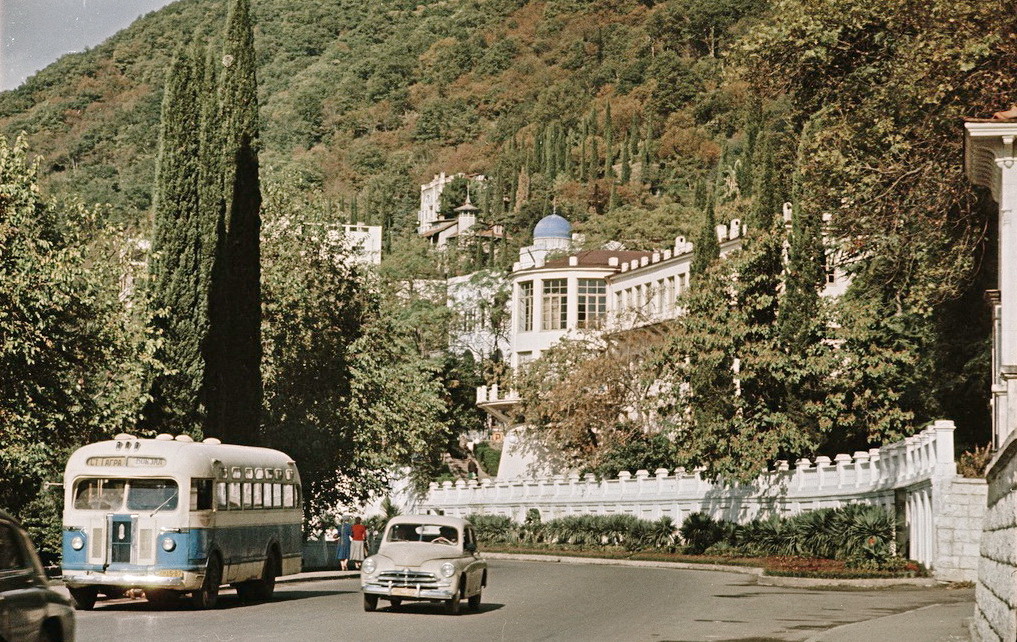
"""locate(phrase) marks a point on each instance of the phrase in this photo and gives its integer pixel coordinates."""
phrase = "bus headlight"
(168, 544)
(369, 565)
(77, 543)
(448, 569)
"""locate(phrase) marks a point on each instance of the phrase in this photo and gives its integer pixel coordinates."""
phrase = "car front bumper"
(415, 593)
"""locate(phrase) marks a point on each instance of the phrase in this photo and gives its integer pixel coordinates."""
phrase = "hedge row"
(860, 535)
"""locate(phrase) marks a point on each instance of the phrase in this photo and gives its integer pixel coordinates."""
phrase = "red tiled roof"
(597, 258)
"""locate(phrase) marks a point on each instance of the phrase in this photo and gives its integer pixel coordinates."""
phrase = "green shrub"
(488, 457)
(699, 532)
(494, 529)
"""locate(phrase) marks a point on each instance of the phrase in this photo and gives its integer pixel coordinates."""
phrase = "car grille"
(408, 579)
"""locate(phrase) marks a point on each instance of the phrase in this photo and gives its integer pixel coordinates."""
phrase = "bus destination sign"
(109, 462)
(117, 462)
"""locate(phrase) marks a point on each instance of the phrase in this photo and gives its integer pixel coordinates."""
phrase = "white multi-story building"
(439, 231)
(477, 301)
(556, 291)
(364, 242)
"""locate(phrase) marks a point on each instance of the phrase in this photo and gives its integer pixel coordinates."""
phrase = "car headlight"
(77, 543)
(168, 544)
(448, 569)
(369, 565)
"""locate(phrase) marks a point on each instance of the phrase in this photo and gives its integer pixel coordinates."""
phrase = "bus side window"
(288, 495)
(299, 494)
(247, 495)
(268, 495)
(220, 496)
(234, 495)
(201, 494)
(257, 495)
(277, 495)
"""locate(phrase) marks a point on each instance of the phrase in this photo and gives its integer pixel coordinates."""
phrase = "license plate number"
(170, 573)
(404, 592)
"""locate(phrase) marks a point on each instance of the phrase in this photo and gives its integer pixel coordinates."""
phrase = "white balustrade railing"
(909, 467)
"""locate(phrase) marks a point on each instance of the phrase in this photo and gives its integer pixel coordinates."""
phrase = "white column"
(571, 302)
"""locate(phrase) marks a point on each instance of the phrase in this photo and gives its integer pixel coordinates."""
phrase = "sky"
(34, 33)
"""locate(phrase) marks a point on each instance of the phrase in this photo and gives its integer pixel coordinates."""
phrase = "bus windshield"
(140, 494)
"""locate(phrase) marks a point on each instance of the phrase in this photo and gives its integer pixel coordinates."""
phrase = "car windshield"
(432, 533)
(140, 494)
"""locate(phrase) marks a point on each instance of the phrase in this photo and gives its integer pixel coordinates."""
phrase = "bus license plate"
(170, 573)
(404, 592)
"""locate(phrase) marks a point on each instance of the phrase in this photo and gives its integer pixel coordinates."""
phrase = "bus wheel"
(261, 590)
(84, 597)
(162, 597)
(208, 594)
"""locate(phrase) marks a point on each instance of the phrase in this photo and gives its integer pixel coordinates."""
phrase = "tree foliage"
(70, 353)
(588, 397)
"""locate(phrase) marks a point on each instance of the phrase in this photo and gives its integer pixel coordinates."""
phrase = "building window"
(525, 310)
(592, 301)
(830, 267)
(554, 304)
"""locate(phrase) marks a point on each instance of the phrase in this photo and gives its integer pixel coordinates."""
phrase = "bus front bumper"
(181, 580)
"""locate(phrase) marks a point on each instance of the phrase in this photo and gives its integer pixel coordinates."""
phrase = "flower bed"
(812, 567)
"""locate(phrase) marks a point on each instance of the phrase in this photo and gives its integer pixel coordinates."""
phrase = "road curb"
(315, 576)
(757, 572)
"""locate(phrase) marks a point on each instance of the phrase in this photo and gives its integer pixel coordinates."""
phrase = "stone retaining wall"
(996, 592)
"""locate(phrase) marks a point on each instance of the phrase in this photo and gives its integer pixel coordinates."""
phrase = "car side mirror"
(470, 547)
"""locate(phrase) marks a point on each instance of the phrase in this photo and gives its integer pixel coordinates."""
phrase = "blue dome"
(553, 227)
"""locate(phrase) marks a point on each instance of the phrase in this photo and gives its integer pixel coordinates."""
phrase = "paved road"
(535, 601)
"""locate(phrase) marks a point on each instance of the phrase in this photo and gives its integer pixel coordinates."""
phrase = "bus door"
(122, 539)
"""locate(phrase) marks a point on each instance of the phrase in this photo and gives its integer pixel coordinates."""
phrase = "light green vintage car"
(425, 557)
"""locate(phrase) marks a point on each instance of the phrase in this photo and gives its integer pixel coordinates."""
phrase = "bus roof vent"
(211, 440)
(184, 438)
(124, 437)
(164, 437)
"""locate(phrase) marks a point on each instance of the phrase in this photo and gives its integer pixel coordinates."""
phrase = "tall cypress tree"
(608, 144)
(768, 200)
(626, 167)
(235, 394)
(174, 404)
(799, 307)
(582, 153)
(707, 248)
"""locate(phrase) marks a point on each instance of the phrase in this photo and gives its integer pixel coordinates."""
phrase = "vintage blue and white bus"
(173, 516)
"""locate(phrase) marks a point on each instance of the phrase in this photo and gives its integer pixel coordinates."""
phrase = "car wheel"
(84, 597)
(396, 602)
(475, 602)
(452, 606)
(370, 602)
(51, 631)
(208, 594)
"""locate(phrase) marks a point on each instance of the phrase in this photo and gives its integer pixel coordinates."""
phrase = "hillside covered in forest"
(632, 118)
